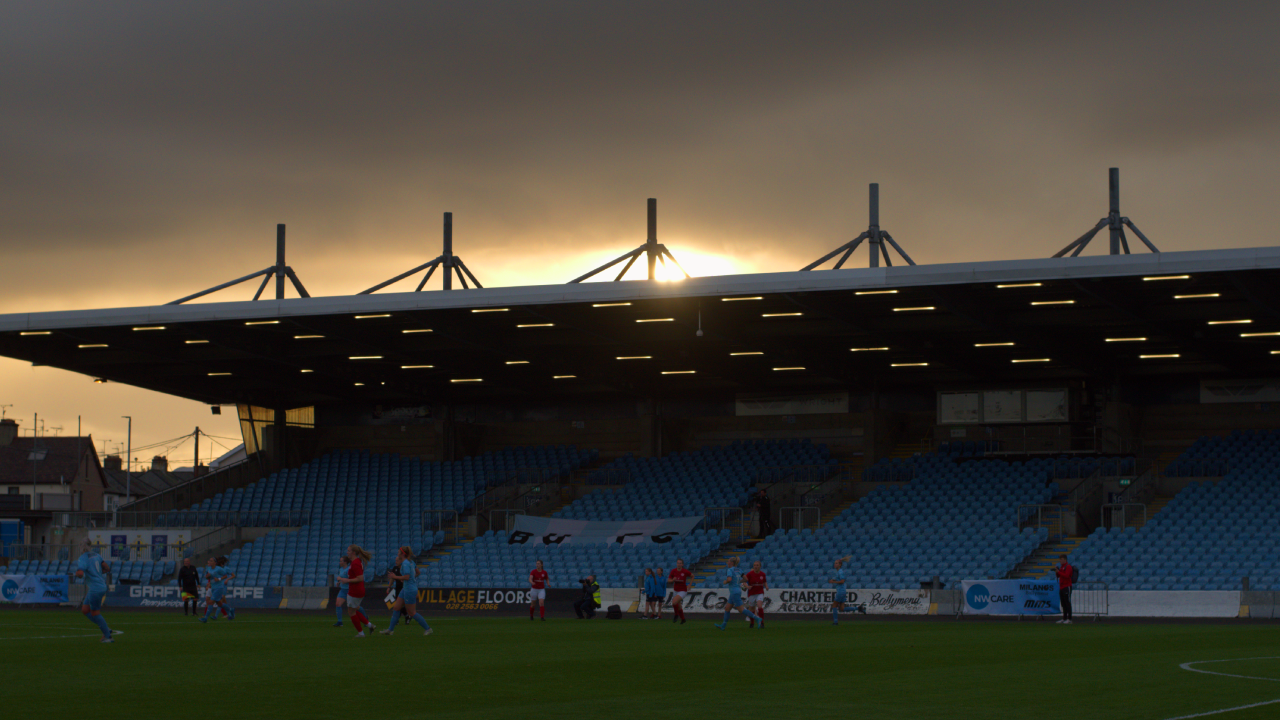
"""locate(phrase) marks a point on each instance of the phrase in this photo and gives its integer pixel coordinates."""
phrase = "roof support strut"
(656, 252)
(1113, 221)
(447, 260)
(279, 271)
(875, 237)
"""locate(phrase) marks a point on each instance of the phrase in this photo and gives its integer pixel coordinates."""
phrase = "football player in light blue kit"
(91, 567)
(842, 594)
(218, 577)
(406, 571)
(734, 581)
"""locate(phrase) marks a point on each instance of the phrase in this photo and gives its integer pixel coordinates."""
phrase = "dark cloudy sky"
(147, 149)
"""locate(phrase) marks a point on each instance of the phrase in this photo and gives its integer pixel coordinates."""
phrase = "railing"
(1142, 488)
(1119, 514)
(202, 488)
(128, 552)
(799, 517)
(184, 519)
(1084, 500)
(719, 518)
(1196, 467)
(433, 520)
(1090, 597)
(507, 515)
(1051, 517)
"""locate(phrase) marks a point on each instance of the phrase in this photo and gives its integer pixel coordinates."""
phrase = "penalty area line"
(61, 637)
(1226, 710)
(1188, 666)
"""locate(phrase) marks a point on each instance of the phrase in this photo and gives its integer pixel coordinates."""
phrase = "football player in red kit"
(757, 583)
(538, 590)
(680, 587)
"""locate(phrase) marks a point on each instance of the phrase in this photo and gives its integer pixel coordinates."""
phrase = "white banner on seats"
(530, 530)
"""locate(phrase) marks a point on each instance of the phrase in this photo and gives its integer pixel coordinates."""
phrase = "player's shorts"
(218, 594)
(190, 595)
(681, 593)
(537, 594)
(656, 598)
(841, 596)
(342, 593)
(735, 599)
(757, 598)
(408, 593)
(94, 600)
(353, 602)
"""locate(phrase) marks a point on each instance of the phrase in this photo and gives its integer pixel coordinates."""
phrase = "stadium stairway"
(1157, 504)
(1044, 559)
(710, 567)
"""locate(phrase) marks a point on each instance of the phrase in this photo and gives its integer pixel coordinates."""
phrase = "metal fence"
(1120, 514)
(127, 552)
(1052, 517)
(438, 519)
(719, 518)
(1090, 597)
(183, 519)
(799, 517)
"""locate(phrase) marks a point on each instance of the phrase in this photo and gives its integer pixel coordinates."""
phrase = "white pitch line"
(1188, 666)
(60, 637)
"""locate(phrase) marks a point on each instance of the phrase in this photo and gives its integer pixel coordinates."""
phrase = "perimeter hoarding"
(34, 589)
(815, 601)
(1011, 597)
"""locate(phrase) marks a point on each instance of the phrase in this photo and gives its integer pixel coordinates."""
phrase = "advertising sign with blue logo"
(1011, 597)
(169, 596)
(34, 589)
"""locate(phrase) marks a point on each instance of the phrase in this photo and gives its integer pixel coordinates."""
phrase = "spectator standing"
(660, 590)
(1066, 578)
(648, 593)
(765, 510)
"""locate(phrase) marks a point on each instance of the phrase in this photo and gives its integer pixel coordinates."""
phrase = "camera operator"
(590, 599)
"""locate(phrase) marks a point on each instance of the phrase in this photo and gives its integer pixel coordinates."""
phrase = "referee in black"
(189, 582)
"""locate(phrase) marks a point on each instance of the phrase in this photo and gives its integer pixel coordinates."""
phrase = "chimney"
(159, 464)
(8, 431)
(113, 462)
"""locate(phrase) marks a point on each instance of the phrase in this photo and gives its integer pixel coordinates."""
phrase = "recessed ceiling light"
(1167, 277)
(306, 370)
(415, 330)
(359, 384)
(144, 329)
(563, 377)
(1152, 357)
(913, 309)
(366, 317)
(483, 310)
(1241, 335)
(307, 337)
(867, 349)
(1201, 295)
(796, 314)
(196, 342)
(876, 292)
(1275, 352)
(40, 332)
(531, 325)
(738, 354)
(94, 345)
(517, 362)
(1141, 339)
(782, 369)
(416, 367)
(1018, 285)
(758, 297)
(1027, 360)
(365, 357)
(1004, 344)
(923, 364)
(634, 357)
(1230, 322)
(644, 320)
(1053, 302)
(678, 372)
(621, 304)
(262, 322)
(218, 373)
(466, 380)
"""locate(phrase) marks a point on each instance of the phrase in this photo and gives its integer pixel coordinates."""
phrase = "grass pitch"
(275, 665)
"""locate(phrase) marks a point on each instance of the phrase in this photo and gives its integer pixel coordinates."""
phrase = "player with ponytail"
(405, 571)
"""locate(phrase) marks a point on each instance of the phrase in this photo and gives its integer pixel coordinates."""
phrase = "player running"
(734, 581)
(344, 564)
(354, 583)
(538, 589)
(218, 576)
(406, 572)
(90, 566)
(659, 590)
(757, 584)
(837, 579)
(680, 587)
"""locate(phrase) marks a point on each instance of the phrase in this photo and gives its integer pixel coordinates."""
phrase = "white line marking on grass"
(59, 637)
(1188, 666)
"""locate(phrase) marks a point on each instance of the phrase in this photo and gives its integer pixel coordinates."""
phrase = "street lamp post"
(128, 462)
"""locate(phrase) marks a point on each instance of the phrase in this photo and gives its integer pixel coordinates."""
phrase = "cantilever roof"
(525, 340)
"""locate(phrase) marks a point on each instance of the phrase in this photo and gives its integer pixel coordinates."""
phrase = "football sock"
(543, 608)
(208, 611)
(355, 620)
(337, 610)
(835, 615)
(750, 614)
(395, 618)
(531, 612)
(760, 614)
(421, 621)
(224, 610)
(363, 618)
(726, 615)
(101, 622)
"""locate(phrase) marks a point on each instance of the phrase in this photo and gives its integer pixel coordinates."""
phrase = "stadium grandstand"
(936, 423)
